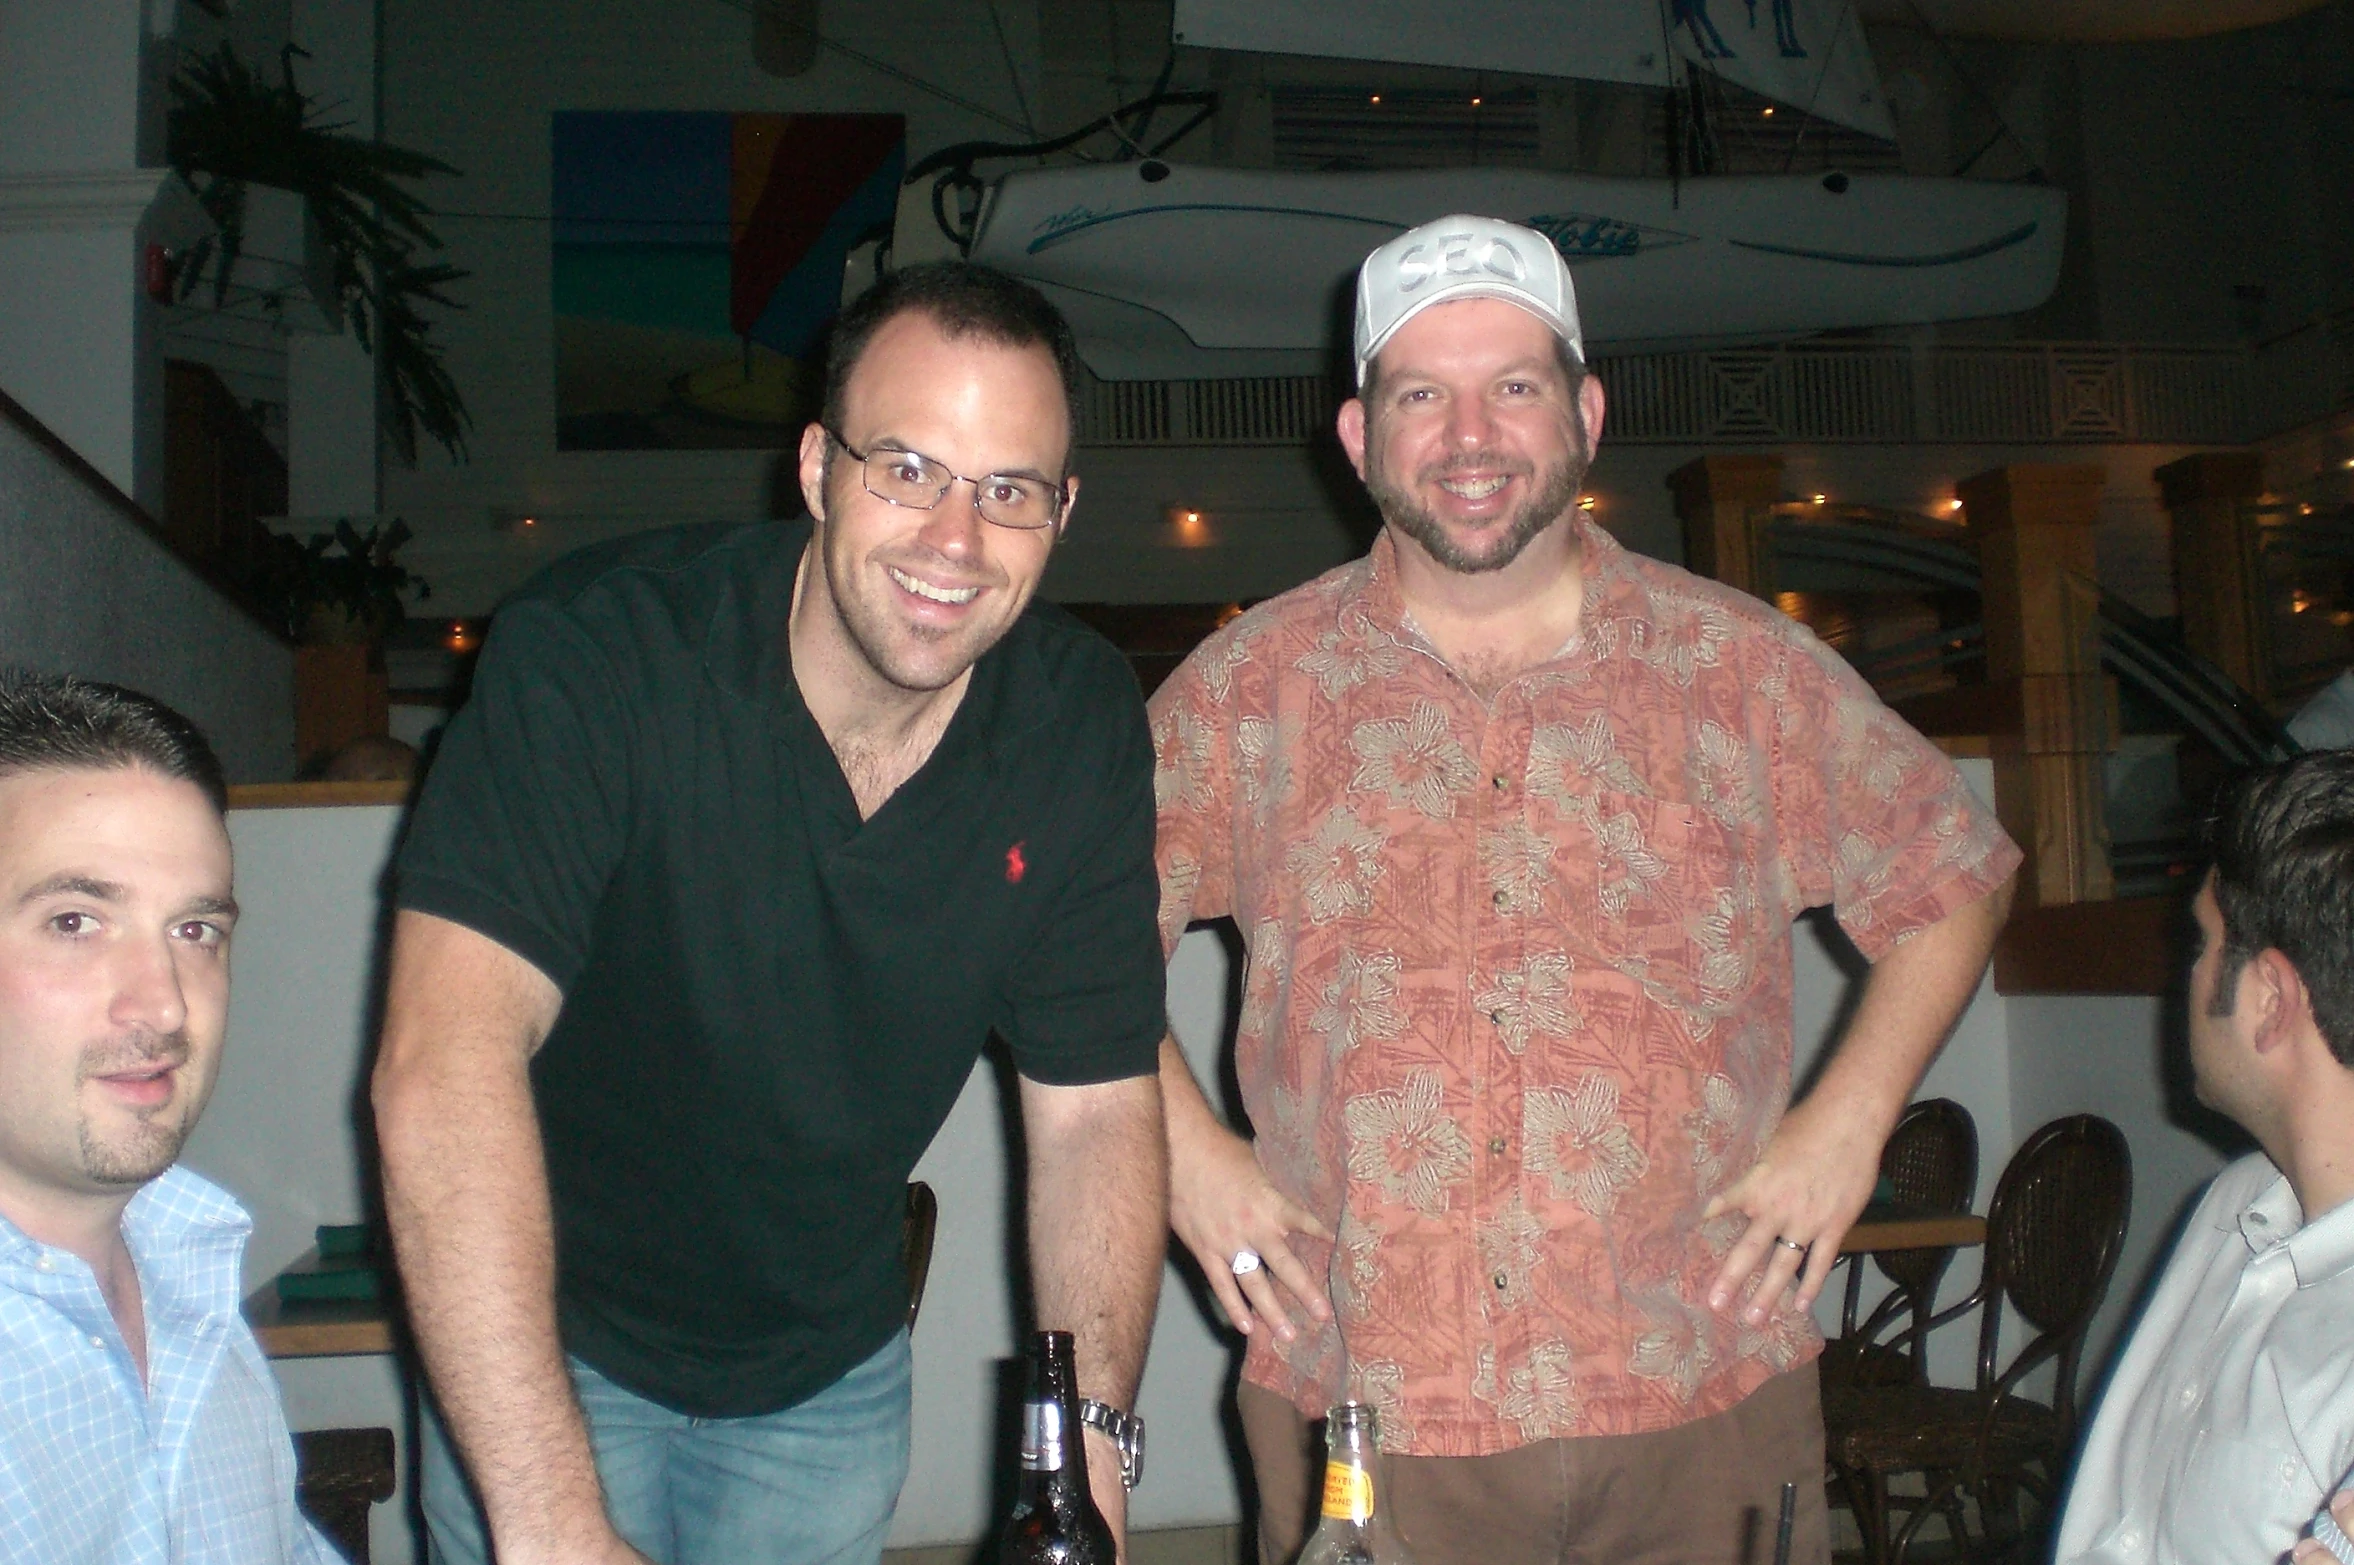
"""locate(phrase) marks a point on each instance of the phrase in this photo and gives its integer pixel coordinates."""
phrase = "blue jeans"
(814, 1484)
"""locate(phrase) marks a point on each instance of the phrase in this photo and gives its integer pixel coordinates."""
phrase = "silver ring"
(1245, 1262)
(1791, 1244)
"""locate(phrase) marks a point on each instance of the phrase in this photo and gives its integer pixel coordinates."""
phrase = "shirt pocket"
(1668, 898)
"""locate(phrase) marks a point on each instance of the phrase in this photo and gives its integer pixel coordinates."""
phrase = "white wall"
(331, 451)
(2122, 1059)
(281, 1131)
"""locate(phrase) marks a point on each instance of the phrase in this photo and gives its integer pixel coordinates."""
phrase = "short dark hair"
(55, 722)
(964, 299)
(2283, 843)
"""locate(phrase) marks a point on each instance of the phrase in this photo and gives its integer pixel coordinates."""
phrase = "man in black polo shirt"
(746, 839)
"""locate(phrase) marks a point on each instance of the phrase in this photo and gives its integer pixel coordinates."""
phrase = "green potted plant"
(342, 587)
(232, 128)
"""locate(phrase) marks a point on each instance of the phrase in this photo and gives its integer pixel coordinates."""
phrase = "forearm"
(470, 1220)
(1098, 1218)
(1911, 1000)
(466, 1194)
(1186, 1106)
(1815, 1173)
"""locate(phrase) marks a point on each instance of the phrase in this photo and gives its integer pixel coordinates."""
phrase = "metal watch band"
(1126, 1431)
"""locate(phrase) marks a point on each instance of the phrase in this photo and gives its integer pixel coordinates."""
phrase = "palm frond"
(231, 128)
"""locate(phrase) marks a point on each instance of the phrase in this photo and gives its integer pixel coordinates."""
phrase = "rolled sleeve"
(1875, 820)
(1087, 1007)
(525, 812)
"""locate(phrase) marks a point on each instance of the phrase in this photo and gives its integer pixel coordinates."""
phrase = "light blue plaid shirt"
(196, 1469)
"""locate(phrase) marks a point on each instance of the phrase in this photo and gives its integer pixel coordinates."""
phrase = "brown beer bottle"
(1054, 1520)
(1354, 1530)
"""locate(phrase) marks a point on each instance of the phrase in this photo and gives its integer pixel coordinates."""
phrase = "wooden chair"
(338, 1474)
(923, 1217)
(2054, 1230)
(1931, 1161)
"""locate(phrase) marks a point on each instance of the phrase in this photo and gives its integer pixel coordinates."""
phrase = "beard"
(1550, 497)
(152, 1142)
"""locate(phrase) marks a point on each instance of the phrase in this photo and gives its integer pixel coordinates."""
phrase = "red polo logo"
(1015, 869)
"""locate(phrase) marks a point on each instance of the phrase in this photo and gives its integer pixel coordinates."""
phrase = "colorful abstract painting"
(698, 259)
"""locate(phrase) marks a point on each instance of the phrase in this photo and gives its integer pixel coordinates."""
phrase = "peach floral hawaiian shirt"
(1518, 998)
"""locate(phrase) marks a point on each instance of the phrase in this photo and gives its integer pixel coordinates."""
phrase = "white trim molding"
(101, 199)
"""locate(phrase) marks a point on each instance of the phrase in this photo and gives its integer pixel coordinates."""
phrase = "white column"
(77, 209)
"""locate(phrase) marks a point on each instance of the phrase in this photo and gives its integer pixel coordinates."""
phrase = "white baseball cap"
(1463, 257)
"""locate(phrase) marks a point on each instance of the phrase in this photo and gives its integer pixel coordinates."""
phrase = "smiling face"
(114, 980)
(1470, 439)
(917, 596)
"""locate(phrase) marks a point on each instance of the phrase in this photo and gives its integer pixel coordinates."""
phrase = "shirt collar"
(175, 1211)
(2323, 1248)
(1601, 570)
(2319, 1250)
(751, 653)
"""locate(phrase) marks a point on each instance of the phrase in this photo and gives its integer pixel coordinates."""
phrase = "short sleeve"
(1192, 766)
(1871, 818)
(524, 814)
(1087, 1005)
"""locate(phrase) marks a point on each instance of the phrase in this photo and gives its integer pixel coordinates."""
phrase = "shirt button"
(1498, 899)
(2190, 1396)
(1502, 1282)
(98, 1342)
(44, 1264)
(1497, 1017)
(1497, 1145)
(1500, 783)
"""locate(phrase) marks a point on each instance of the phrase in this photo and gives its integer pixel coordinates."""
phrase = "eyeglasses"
(914, 480)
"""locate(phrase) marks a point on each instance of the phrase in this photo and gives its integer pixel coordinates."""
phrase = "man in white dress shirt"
(2231, 1416)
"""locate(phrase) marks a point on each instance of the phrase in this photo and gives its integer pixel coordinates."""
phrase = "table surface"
(324, 1330)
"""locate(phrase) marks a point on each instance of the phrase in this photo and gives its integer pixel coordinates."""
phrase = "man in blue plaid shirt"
(138, 1420)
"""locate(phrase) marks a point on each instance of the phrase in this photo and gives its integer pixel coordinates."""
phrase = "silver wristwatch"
(1126, 1432)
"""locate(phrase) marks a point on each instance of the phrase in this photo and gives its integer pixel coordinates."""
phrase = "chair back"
(923, 1217)
(2053, 1233)
(1932, 1160)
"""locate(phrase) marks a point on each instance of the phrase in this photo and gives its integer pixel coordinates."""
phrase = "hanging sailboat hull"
(1209, 272)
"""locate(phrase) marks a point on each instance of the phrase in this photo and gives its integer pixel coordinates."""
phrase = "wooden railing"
(2015, 393)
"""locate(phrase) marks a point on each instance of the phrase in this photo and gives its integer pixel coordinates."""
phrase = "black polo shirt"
(769, 1005)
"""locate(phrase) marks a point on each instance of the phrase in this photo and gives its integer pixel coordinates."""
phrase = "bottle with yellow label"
(1354, 1530)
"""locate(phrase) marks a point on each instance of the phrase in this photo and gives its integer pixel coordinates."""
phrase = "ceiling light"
(1769, 111)
(1820, 499)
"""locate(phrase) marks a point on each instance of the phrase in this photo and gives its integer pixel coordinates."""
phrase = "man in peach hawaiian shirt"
(1514, 825)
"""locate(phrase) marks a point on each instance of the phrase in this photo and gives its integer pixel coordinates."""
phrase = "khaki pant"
(1703, 1493)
